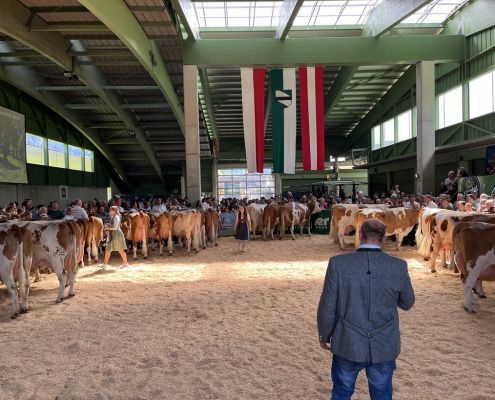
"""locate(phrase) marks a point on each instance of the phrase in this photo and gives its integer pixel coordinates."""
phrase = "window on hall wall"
(375, 137)
(404, 126)
(388, 132)
(88, 161)
(56, 154)
(35, 150)
(75, 160)
(238, 183)
(450, 108)
(481, 95)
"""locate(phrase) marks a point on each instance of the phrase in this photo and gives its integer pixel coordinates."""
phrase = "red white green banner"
(253, 110)
(312, 117)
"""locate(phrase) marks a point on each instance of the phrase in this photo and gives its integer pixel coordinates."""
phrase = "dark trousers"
(312, 221)
(344, 375)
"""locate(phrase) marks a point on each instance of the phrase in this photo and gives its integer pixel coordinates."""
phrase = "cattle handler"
(115, 238)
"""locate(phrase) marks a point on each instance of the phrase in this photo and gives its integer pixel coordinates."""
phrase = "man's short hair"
(373, 229)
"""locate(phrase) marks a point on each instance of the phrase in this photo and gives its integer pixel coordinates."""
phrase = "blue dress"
(242, 232)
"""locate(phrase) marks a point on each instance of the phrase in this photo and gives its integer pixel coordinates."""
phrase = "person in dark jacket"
(358, 313)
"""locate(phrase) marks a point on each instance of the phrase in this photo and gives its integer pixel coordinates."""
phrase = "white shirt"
(414, 206)
(79, 212)
(431, 204)
(449, 181)
(205, 206)
(159, 209)
(68, 217)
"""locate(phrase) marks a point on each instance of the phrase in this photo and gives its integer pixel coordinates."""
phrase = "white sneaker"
(102, 266)
(124, 266)
(243, 249)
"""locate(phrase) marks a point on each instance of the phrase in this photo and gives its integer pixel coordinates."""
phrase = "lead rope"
(369, 286)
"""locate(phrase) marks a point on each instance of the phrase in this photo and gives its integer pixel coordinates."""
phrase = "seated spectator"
(146, 207)
(469, 208)
(42, 213)
(489, 208)
(199, 205)
(54, 212)
(68, 214)
(322, 204)
(489, 171)
(134, 207)
(103, 214)
(78, 211)
(446, 205)
(412, 203)
(461, 206)
(158, 208)
(460, 197)
(429, 203)
(27, 215)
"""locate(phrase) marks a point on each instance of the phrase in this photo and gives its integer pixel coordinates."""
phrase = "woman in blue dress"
(242, 228)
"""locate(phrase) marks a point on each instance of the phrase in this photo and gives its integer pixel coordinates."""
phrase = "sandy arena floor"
(228, 325)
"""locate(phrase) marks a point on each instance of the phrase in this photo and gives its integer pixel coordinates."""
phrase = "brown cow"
(162, 230)
(292, 214)
(93, 237)
(16, 252)
(474, 247)
(210, 226)
(136, 229)
(187, 224)
(400, 221)
(271, 218)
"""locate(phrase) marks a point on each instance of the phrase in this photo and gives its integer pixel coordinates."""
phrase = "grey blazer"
(358, 305)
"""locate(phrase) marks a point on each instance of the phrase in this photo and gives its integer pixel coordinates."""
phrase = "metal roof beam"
(338, 87)
(54, 46)
(130, 87)
(187, 15)
(131, 140)
(27, 80)
(50, 10)
(155, 105)
(72, 106)
(85, 26)
(115, 37)
(339, 51)
(209, 104)
(390, 13)
(288, 13)
(116, 15)
(62, 88)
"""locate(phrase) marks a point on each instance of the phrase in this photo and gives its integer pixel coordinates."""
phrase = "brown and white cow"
(271, 218)
(344, 220)
(474, 247)
(292, 214)
(187, 224)
(400, 221)
(93, 237)
(255, 212)
(423, 224)
(16, 252)
(135, 228)
(209, 226)
(55, 245)
(440, 231)
(161, 226)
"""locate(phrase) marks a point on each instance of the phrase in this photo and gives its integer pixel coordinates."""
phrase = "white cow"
(255, 211)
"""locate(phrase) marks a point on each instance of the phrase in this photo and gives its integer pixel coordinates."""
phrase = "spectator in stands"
(85, 206)
(469, 207)
(461, 206)
(470, 199)
(462, 173)
(187, 203)
(42, 213)
(103, 214)
(451, 180)
(27, 215)
(412, 203)
(159, 207)
(489, 170)
(78, 211)
(429, 203)
(146, 207)
(393, 199)
(68, 214)
(323, 205)
(489, 208)
(55, 213)
(446, 205)
(460, 197)
(118, 203)
(27, 205)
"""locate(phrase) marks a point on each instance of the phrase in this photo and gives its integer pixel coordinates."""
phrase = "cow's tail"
(268, 230)
(333, 232)
(424, 248)
(453, 250)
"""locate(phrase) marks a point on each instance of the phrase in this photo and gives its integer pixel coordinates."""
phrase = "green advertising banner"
(322, 223)
(481, 184)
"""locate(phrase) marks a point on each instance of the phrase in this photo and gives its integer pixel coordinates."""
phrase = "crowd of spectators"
(448, 198)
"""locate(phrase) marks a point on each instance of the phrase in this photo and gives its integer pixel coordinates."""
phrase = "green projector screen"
(12, 147)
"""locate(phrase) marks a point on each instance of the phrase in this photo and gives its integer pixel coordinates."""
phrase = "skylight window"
(435, 12)
(237, 14)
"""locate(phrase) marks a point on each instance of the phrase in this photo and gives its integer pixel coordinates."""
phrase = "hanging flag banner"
(253, 112)
(312, 117)
(284, 119)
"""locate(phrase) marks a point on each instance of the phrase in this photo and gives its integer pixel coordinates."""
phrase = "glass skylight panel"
(435, 12)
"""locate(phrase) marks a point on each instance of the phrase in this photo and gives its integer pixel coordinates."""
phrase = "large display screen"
(12, 147)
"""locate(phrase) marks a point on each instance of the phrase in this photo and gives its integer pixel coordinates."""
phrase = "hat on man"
(470, 195)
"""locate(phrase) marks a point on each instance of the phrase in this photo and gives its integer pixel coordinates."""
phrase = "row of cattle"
(60, 245)
(469, 237)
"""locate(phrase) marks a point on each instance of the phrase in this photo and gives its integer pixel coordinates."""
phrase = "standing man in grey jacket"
(358, 313)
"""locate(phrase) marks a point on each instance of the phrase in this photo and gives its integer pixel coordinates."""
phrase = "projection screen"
(12, 147)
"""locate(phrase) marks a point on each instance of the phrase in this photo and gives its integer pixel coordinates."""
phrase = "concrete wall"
(42, 194)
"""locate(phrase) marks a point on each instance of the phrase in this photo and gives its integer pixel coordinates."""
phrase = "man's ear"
(360, 236)
(384, 239)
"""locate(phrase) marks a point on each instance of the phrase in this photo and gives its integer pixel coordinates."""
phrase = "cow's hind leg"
(37, 276)
(134, 247)
(467, 285)
(478, 289)
(292, 232)
(14, 294)
(62, 278)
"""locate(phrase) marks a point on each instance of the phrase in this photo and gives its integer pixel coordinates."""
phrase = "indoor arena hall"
(240, 200)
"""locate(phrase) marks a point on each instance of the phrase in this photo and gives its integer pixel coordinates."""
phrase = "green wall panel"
(405, 180)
